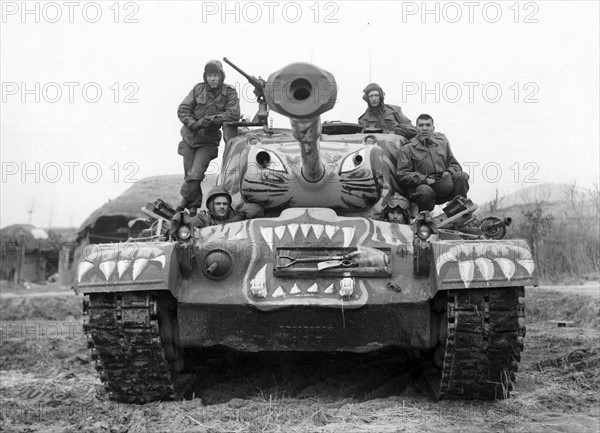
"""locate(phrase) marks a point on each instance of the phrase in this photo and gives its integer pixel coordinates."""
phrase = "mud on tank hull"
(147, 303)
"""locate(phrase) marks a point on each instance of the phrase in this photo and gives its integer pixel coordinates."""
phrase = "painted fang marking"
(267, 234)
(161, 260)
(486, 268)
(258, 286)
(122, 266)
(347, 287)
(107, 268)
(348, 235)
(528, 264)
(295, 290)
(329, 290)
(331, 230)
(83, 269)
(313, 289)
(318, 230)
(467, 270)
(507, 266)
(278, 293)
(138, 266)
(293, 228)
(280, 231)
(305, 229)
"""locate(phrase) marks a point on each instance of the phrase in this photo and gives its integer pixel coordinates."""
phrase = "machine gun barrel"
(302, 92)
(256, 82)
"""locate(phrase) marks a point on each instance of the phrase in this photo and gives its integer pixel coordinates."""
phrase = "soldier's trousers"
(426, 198)
(195, 162)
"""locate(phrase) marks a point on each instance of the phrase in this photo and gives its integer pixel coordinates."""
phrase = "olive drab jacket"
(418, 160)
(389, 118)
(220, 106)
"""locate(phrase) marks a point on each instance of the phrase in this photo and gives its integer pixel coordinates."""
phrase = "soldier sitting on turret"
(388, 118)
(428, 170)
(202, 113)
(219, 211)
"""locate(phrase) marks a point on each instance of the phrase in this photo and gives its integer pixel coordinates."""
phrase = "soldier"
(428, 170)
(397, 209)
(219, 211)
(202, 113)
(388, 118)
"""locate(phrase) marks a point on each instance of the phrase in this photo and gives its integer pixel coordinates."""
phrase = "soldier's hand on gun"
(203, 123)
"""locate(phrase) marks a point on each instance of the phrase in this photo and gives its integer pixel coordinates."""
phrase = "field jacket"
(389, 118)
(219, 107)
(418, 160)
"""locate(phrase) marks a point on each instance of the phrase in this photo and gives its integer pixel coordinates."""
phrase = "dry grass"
(46, 385)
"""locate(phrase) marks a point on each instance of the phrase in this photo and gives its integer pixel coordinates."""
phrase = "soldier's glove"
(179, 219)
(217, 122)
(203, 123)
(193, 125)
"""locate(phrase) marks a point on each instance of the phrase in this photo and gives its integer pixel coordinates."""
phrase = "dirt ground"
(48, 385)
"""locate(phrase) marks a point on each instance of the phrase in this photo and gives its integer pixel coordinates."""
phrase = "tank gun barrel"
(302, 92)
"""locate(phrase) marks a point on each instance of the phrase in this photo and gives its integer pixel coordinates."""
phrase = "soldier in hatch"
(388, 118)
(219, 211)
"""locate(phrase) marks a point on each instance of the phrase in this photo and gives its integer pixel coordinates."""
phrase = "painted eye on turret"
(353, 161)
(269, 160)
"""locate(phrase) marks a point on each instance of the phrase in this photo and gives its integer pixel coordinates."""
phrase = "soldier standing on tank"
(388, 118)
(428, 170)
(202, 113)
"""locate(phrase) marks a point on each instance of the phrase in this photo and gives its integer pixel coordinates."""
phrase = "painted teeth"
(518, 254)
(347, 287)
(121, 257)
(273, 234)
(279, 292)
(258, 287)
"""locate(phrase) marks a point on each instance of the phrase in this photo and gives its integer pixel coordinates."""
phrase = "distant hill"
(552, 196)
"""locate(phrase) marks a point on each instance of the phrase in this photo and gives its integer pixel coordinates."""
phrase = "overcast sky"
(90, 89)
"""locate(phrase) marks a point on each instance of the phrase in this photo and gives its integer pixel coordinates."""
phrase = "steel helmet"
(443, 186)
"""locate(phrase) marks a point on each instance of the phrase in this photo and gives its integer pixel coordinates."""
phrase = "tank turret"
(301, 167)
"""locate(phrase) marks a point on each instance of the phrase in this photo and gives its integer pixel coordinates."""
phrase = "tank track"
(481, 338)
(136, 358)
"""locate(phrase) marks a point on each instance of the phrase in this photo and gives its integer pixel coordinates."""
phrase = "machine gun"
(259, 90)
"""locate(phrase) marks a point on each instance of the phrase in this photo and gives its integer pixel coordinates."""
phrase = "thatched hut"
(122, 218)
(27, 254)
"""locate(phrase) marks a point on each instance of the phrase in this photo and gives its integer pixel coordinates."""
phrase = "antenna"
(370, 52)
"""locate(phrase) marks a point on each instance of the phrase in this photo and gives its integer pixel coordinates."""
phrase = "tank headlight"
(423, 232)
(217, 264)
(184, 233)
(353, 161)
(269, 160)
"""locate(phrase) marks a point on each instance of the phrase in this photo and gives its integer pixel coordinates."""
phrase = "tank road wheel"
(134, 341)
(480, 339)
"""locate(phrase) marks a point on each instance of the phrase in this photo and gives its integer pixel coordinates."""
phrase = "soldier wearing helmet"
(384, 117)
(218, 211)
(202, 113)
(427, 168)
(397, 209)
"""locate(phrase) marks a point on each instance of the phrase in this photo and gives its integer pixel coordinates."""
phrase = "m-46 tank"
(319, 272)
